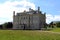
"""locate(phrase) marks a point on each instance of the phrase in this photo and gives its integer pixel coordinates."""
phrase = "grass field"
(56, 30)
(27, 35)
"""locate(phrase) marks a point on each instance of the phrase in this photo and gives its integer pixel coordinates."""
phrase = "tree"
(7, 25)
(4, 25)
(45, 25)
(51, 24)
(1, 26)
(58, 24)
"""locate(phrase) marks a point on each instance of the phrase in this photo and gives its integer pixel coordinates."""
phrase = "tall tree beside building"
(7, 25)
(58, 24)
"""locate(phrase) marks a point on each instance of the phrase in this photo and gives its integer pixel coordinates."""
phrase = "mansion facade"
(32, 19)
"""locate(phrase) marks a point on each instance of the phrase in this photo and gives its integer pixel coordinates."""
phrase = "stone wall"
(28, 21)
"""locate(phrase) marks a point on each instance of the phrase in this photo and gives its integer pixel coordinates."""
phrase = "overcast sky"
(51, 7)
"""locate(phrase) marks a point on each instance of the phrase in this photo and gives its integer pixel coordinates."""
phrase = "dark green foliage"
(55, 24)
(58, 24)
(7, 25)
(4, 25)
(51, 25)
(1, 26)
(45, 25)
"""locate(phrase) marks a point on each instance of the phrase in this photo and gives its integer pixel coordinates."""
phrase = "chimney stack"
(29, 9)
(38, 8)
(13, 13)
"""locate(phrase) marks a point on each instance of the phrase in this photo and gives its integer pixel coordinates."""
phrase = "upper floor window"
(23, 18)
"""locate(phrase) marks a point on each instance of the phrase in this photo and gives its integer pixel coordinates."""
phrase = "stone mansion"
(32, 19)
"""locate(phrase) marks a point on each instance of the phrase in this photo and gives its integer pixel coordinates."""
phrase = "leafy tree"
(45, 25)
(7, 25)
(1, 26)
(58, 24)
(4, 25)
(51, 24)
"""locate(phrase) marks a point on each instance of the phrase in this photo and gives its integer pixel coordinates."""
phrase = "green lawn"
(56, 30)
(27, 35)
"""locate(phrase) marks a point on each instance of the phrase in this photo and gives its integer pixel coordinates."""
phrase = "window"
(24, 17)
